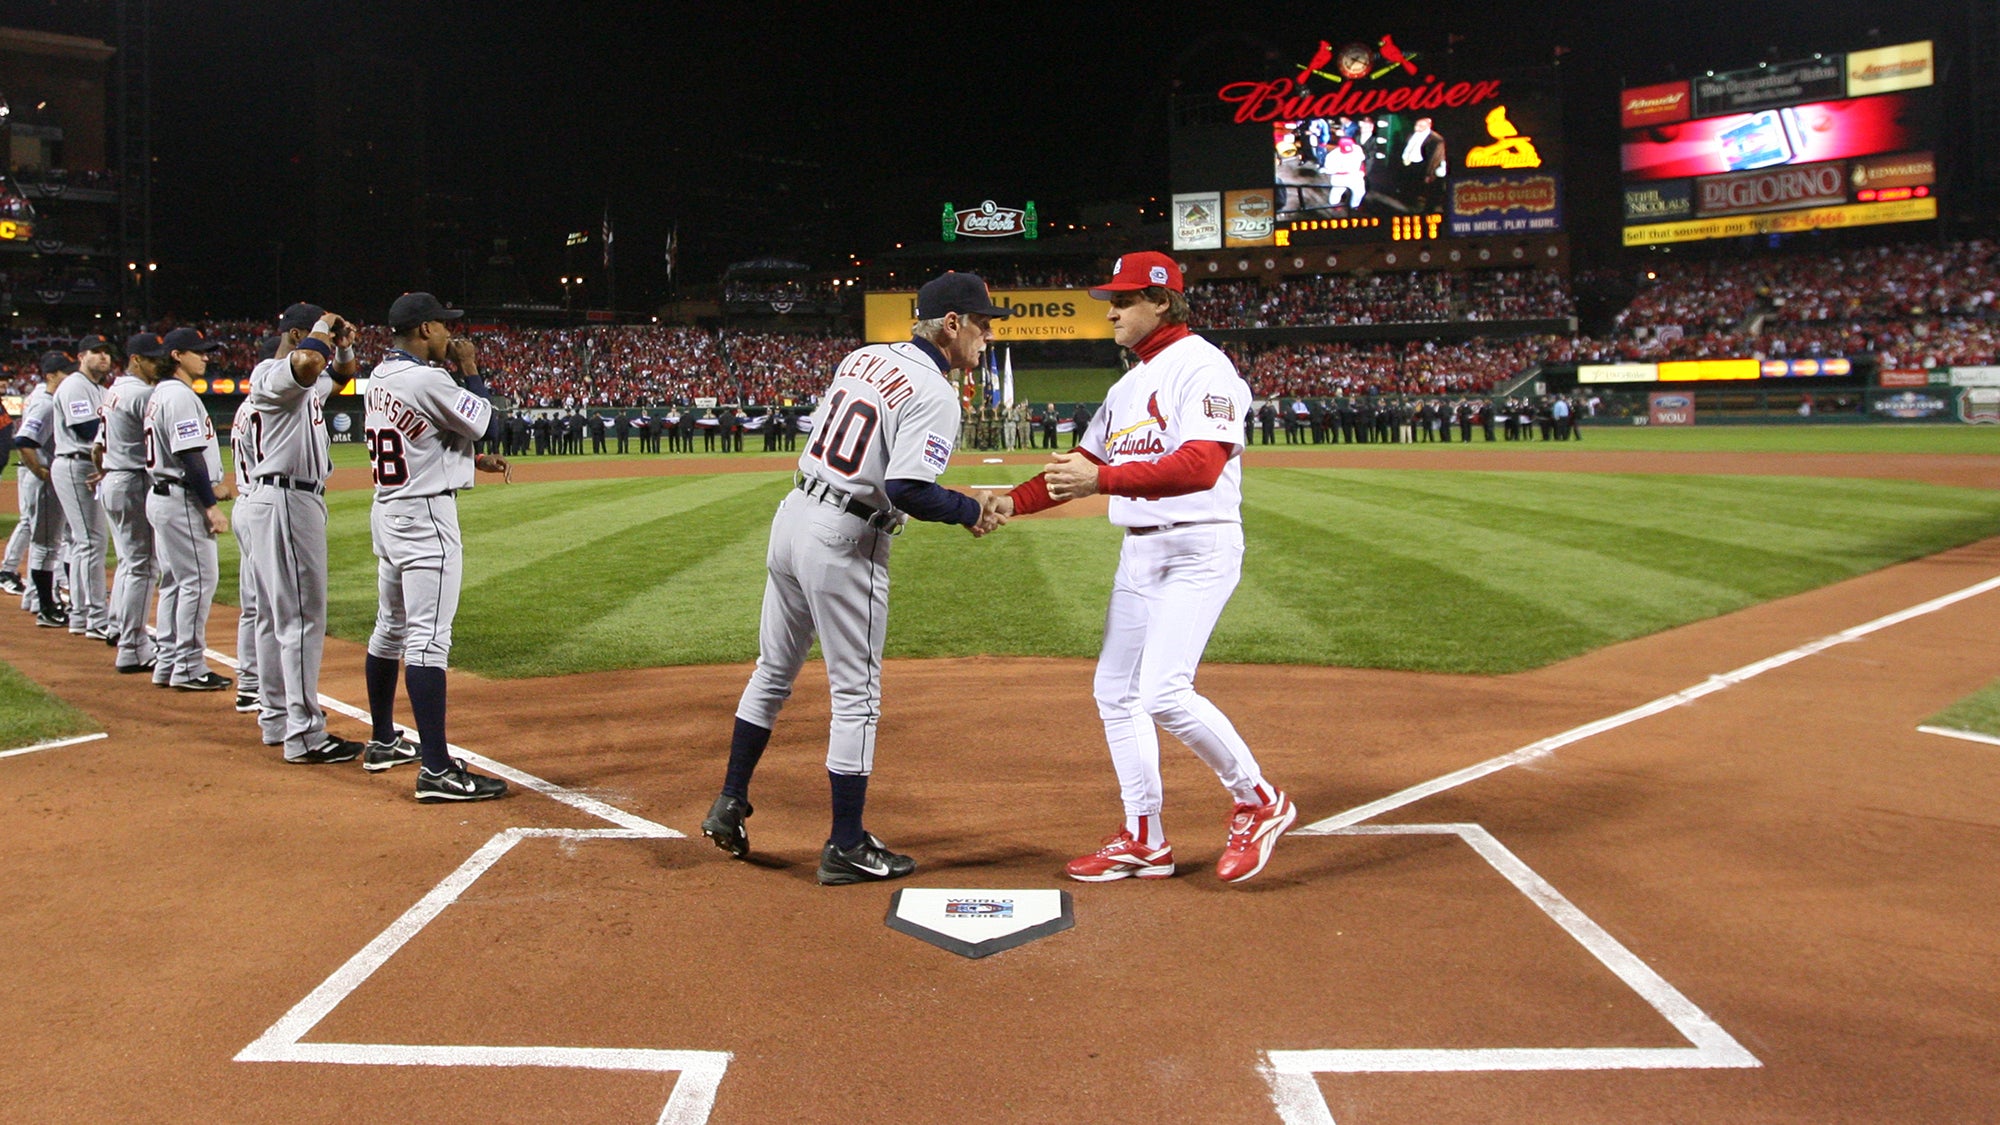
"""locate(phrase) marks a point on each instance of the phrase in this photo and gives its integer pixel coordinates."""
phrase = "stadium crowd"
(1382, 298)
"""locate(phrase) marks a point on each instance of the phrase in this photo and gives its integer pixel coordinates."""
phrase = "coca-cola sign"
(990, 220)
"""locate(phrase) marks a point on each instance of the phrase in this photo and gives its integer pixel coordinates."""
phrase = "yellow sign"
(1509, 148)
(1784, 222)
(1702, 370)
(1039, 314)
(14, 230)
(1905, 66)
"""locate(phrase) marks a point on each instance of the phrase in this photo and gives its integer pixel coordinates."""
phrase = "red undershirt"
(1194, 467)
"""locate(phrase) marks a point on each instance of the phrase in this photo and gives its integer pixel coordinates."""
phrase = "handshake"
(1069, 476)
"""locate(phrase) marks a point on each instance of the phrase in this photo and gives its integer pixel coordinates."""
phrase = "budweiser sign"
(1777, 189)
(990, 220)
(1286, 99)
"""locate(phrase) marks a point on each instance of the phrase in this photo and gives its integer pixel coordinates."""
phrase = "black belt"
(827, 494)
(289, 484)
(160, 488)
(75, 456)
(428, 495)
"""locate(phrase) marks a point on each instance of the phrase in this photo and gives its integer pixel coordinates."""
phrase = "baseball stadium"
(1472, 601)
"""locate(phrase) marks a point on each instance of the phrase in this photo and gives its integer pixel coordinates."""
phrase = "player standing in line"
(185, 465)
(79, 408)
(243, 523)
(121, 452)
(883, 432)
(41, 515)
(420, 427)
(1165, 447)
(287, 434)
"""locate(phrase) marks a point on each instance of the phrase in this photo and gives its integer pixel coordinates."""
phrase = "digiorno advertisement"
(1347, 137)
(1039, 314)
(1840, 140)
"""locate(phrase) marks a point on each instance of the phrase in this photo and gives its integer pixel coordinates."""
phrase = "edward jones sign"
(1774, 189)
(1039, 314)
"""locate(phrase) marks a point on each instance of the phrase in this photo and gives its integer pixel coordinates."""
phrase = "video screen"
(1386, 164)
(1802, 134)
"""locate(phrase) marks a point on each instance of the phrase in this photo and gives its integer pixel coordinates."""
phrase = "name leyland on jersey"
(420, 427)
(889, 414)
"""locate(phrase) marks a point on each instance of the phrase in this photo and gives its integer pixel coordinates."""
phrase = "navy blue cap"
(963, 293)
(53, 362)
(412, 309)
(300, 315)
(91, 342)
(189, 340)
(145, 343)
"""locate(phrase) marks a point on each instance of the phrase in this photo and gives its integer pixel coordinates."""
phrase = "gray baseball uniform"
(41, 520)
(78, 401)
(890, 414)
(123, 492)
(420, 426)
(287, 430)
(183, 546)
(245, 522)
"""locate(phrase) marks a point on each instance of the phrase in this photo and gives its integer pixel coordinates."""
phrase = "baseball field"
(1615, 807)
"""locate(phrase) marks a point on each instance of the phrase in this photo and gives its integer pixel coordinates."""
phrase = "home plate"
(978, 923)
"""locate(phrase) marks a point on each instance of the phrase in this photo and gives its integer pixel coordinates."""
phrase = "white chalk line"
(699, 1073)
(53, 744)
(1710, 686)
(1961, 735)
(1294, 1090)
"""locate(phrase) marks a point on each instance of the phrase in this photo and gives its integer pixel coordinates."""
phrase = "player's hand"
(462, 353)
(343, 330)
(1071, 476)
(41, 471)
(494, 463)
(990, 516)
(218, 523)
(225, 489)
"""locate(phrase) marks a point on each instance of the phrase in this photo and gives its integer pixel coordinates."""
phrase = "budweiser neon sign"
(1354, 92)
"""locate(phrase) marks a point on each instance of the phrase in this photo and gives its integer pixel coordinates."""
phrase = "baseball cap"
(267, 348)
(412, 309)
(91, 342)
(146, 344)
(53, 362)
(300, 315)
(189, 340)
(1134, 272)
(963, 293)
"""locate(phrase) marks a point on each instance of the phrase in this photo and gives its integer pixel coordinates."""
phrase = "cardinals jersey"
(890, 414)
(1188, 392)
(420, 428)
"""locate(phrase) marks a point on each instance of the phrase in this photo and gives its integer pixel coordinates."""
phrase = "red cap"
(1134, 272)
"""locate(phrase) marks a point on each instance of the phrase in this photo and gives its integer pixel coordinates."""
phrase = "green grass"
(1063, 384)
(1978, 712)
(1881, 438)
(29, 715)
(1442, 571)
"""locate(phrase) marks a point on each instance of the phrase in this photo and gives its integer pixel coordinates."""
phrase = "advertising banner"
(1912, 406)
(1767, 87)
(1705, 370)
(1249, 218)
(1617, 373)
(1776, 189)
(1980, 406)
(1487, 205)
(1663, 104)
(1669, 409)
(1905, 66)
(1908, 169)
(1039, 314)
(1975, 376)
(1802, 134)
(1198, 220)
(1659, 202)
(1784, 222)
(1903, 377)
(1806, 368)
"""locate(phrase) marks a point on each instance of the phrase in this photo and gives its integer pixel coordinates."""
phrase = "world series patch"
(78, 408)
(1219, 406)
(187, 429)
(937, 451)
(468, 406)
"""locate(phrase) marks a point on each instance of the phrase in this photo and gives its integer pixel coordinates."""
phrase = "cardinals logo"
(1357, 61)
(1153, 418)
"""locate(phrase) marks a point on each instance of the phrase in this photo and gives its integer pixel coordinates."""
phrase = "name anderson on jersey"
(398, 412)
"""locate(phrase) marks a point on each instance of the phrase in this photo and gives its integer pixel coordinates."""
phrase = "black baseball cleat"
(328, 752)
(135, 669)
(724, 825)
(865, 862)
(386, 755)
(207, 681)
(10, 583)
(245, 704)
(52, 619)
(458, 784)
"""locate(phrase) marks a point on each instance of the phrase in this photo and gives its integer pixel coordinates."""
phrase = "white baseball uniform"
(123, 492)
(246, 519)
(78, 402)
(420, 426)
(41, 524)
(1181, 560)
(183, 546)
(889, 414)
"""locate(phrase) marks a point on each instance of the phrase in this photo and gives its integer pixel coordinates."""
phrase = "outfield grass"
(1440, 571)
(1979, 712)
(29, 715)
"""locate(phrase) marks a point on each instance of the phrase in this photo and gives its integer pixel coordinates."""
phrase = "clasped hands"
(1069, 476)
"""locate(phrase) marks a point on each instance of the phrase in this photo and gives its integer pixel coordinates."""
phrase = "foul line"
(1961, 735)
(53, 744)
(700, 1072)
(1713, 684)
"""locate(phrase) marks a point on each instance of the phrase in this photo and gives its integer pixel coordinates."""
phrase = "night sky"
(813, 131)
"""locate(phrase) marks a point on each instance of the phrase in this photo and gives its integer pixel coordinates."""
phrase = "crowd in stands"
(1912, 306)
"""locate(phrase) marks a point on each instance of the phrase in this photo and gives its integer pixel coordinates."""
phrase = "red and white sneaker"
(1121, 856)
(1253, 832)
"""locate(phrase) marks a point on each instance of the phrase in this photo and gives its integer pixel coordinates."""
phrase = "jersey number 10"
(843, 442)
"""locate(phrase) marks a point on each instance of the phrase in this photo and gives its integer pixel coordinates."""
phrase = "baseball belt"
(827, 494)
